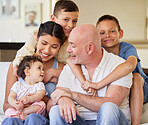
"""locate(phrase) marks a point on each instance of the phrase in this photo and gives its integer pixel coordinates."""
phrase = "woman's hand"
(50, 74)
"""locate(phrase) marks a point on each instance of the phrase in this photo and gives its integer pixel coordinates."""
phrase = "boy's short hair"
(26, 62)
(66, 5)
(109, 17)
(53, 29)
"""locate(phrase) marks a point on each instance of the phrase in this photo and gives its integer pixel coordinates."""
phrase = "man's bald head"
(86, 33)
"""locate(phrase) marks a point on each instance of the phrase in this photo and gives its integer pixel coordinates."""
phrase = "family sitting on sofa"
(102, 82)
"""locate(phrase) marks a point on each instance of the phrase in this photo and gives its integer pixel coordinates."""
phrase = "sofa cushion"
(3, 74)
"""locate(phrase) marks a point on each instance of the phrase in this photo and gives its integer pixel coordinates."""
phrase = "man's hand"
(67, 109)
(60, 92)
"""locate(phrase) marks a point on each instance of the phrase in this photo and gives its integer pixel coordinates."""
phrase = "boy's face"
(110, 35)
(67, 20)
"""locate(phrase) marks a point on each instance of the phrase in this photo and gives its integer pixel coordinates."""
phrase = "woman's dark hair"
(27, 61)
(66, 5)
(109, 17)
(53, 29)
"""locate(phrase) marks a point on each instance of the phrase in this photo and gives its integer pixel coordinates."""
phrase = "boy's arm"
(121, 70)
(76, 69)
(125, 68)
(27, 49)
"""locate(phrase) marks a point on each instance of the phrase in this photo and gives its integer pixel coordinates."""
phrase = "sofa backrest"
(3, 75)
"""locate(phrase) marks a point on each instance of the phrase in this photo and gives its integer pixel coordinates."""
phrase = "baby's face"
(36, 72)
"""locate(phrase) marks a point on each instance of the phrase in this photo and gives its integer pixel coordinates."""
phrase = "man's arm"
(115, 94)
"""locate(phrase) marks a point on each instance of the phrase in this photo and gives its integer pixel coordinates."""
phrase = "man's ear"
(121, 33)
(27, 71)
(53, 17)
(90, 48)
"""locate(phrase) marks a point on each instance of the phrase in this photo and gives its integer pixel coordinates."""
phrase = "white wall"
(143, 54)
(131, 14)
(15, 30)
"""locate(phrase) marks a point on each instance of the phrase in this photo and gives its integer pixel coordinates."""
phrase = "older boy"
(111, 33)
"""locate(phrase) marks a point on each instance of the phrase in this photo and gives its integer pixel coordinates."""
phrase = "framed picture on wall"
(33, 12)
(9, 9)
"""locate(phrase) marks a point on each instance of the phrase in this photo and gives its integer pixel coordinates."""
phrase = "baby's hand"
(20, 106)
(25, 100)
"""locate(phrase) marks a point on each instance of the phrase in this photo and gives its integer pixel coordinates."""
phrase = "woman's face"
(47, 47)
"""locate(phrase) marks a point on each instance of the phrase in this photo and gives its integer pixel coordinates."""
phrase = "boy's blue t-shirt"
(127, 50)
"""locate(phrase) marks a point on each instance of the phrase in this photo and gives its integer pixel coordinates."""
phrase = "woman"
(49, 39)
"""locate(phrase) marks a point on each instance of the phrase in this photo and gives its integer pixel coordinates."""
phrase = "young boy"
(66, 14)
(111, 33)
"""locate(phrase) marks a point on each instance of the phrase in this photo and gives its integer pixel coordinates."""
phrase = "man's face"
(67, 20)
(76, 49)
(110, 35)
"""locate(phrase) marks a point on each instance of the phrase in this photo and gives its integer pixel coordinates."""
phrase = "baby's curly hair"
(27, 61)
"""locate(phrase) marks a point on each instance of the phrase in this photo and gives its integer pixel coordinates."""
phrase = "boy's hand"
(92, 92)
(86, 85)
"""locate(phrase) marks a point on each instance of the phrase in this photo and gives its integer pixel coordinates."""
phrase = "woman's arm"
(12, 99)
(11, 79)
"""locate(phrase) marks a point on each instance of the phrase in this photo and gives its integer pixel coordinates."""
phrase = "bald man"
(75, 106)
